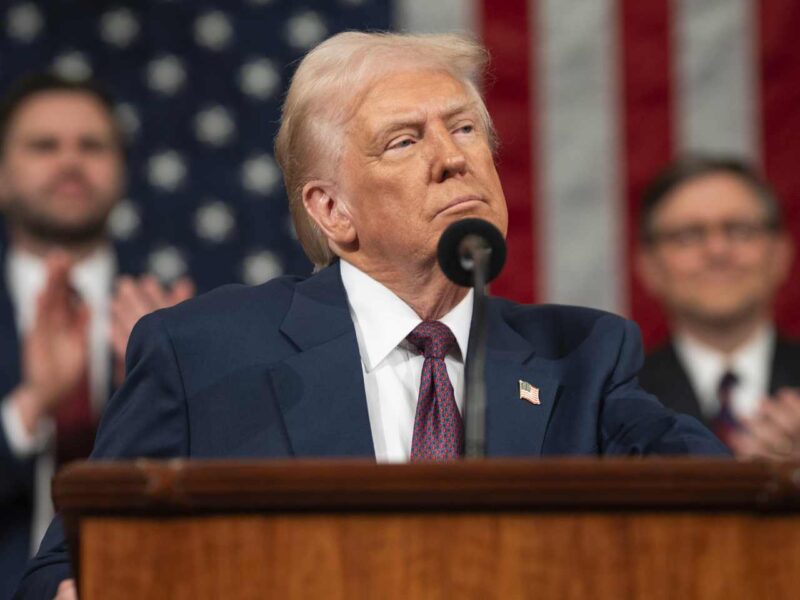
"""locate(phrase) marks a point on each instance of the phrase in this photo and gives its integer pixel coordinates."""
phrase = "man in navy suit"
(61, 173)
(384, 142)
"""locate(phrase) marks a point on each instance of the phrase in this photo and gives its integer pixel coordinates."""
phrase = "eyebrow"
(40, 136)
(417, 118)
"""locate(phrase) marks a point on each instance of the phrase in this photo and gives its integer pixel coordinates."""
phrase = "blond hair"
(325, 91)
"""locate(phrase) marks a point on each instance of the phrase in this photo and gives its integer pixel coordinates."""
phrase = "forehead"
(60, 113)
(421, 92)
(710, 197)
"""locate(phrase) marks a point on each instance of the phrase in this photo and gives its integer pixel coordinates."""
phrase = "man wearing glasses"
(714, 252)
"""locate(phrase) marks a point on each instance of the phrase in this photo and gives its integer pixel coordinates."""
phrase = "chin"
(481, 211)
(726, 315)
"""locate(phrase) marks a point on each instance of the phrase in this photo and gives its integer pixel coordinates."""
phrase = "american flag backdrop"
(590, 99)
(593, 97)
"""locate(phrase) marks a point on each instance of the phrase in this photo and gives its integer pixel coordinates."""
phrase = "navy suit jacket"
(274, 371)
(16, 476)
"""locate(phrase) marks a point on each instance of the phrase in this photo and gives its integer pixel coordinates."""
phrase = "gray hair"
(325, 91)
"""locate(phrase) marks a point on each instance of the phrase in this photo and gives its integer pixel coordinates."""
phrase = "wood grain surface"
(549, 529)
(467, 555)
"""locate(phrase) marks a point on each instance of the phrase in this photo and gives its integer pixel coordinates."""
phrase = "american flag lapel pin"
(528, 392)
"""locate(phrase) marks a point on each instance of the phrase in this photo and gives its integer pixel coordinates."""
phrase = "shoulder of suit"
(660, 353)
(563, 316)
(235, 302)
(789, 346)
(660, 364)
(557, 330)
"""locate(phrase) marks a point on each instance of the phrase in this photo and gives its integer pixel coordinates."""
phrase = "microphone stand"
(475, 254)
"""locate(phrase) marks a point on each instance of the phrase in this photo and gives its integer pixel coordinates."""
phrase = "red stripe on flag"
(648, 144)
(506, 34)
(780, 109)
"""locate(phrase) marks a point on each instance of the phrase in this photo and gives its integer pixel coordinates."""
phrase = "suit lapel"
(10, 371)
(515, 426)
(320, 389)
(784, 368)
(678, 391)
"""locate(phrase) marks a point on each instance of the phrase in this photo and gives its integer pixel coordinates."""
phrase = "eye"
(42, 145)
(94, 146)
(400, 143)
(466, 129)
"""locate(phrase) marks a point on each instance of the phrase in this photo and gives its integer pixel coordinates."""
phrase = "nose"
(448, 158)
(717, 243)
(69, 155)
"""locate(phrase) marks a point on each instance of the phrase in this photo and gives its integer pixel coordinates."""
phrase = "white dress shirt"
(93, 278)
(392, 366)
(751, 364)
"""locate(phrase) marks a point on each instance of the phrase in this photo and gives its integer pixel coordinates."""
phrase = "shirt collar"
(706, 366)
(92, 276)
(382, 320)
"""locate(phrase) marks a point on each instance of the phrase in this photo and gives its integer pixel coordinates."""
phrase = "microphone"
(471, 253)
(460, 244)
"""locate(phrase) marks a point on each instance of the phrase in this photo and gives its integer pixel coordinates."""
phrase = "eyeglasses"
(695, 236)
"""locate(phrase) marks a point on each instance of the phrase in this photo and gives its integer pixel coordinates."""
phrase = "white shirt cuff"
(23, 444)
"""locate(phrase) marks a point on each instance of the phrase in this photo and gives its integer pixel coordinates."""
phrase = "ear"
(3, 185)
(783, 257)
(326, 208)
(648, 270)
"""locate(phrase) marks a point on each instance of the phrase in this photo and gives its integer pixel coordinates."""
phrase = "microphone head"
(454, 260)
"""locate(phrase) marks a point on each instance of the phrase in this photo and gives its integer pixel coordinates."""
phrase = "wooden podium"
(548, 529)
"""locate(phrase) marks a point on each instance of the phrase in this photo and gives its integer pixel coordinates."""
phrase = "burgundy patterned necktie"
(438, 430)
(724, 425)
(75, 423)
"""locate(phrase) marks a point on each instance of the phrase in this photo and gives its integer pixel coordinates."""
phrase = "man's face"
(61, 169)
(714, 259)
(416, 158)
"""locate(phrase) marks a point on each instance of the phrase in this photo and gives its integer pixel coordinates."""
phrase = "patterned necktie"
(75, 423)
(724, 425)
(438, 430)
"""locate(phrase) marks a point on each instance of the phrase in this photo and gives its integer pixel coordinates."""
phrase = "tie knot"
(727, 382)
(432, 338)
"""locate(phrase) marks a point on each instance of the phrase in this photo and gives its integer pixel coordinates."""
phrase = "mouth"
(462, 204)
(70, 189)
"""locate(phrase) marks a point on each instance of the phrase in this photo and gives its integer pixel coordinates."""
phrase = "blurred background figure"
(62, 332)
(714, 252)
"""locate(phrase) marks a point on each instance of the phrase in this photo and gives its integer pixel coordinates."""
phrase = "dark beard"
(53, 232)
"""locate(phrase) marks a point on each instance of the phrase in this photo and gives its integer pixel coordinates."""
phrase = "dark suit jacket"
(274, 371)
(664, 376)
(16, 476)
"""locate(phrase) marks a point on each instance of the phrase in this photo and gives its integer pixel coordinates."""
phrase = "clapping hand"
(135, 298)
(55, 350)
(773, 432)
(67, 590)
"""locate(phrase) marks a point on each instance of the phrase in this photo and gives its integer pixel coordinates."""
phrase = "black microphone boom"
(472, 252)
